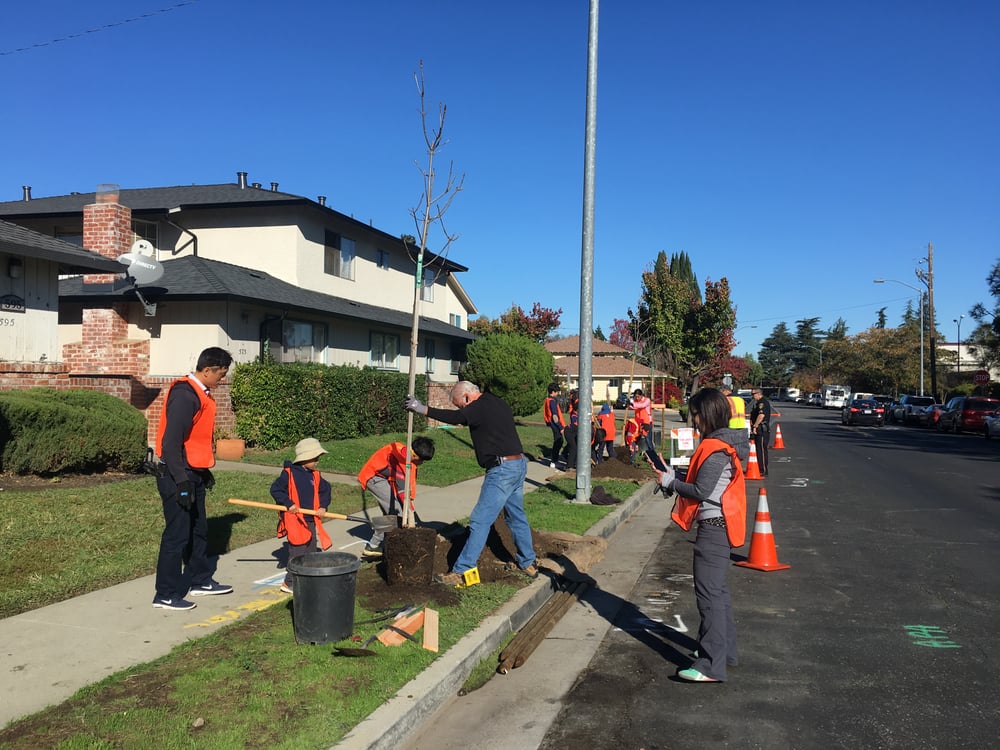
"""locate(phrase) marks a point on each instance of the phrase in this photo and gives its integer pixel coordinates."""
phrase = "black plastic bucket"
(323, 600)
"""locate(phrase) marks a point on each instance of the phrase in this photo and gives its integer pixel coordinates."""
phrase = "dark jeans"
(557, 440)
(761, 439)
(570, 435)
(184, 540)
(717, 632)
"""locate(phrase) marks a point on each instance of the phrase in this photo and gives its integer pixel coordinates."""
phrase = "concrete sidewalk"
(52, 652)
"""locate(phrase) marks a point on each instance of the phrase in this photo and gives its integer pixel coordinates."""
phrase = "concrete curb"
(389, 725)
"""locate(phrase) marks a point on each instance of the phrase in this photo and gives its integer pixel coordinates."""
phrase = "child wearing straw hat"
(300, 486)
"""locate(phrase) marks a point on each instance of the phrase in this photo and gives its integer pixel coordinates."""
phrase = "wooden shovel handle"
(275, 506)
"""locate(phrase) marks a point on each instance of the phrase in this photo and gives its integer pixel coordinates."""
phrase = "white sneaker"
(552, 465)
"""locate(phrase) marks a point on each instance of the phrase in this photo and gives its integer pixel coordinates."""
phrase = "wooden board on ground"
(431, 630)
(411, 624)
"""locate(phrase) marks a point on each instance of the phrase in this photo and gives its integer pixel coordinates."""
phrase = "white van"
(834, 396)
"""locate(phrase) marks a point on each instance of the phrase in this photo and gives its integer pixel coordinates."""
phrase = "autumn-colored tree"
(535, 326)
(621, 334)
(683, 334)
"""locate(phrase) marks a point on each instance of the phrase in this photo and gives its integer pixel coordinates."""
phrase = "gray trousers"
(717, 631)
(382, 490)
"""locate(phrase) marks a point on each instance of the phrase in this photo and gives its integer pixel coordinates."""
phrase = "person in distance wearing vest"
(300, 486)
(384, 474)
(737, 409)
(714, 495)
(183, 474)
(552, 413)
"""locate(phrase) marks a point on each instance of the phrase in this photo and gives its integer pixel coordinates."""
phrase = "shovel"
(379, 522)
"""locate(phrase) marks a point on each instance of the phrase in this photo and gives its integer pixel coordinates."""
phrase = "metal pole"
(583, 450)
(921, 341)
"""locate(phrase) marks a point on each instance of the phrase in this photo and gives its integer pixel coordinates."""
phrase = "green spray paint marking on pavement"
(930, 636)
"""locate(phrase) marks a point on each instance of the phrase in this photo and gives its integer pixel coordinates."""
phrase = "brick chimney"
(105, 348)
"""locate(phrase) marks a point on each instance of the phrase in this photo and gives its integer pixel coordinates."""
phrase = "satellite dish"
(143, 268)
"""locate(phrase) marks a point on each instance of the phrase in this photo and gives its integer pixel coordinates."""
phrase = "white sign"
(684, 437)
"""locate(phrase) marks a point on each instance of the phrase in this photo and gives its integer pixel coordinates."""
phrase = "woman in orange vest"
(643, 408)
(714, 495)
(300, 486)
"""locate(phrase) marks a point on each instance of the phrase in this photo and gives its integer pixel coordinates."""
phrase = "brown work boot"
(450, 579)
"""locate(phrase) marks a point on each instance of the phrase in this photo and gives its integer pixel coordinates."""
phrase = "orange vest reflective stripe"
(294, 525)
(737, 412)
(607, 422)
(389, 461)
(198, 443)
(734, 497)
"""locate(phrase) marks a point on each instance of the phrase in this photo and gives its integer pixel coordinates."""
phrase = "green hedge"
(45, 431)
(277, 405)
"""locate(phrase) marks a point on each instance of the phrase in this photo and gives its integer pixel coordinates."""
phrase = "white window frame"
(427, 287)
(383, 351)
(455, 320)
(429, 352)
(339, 255)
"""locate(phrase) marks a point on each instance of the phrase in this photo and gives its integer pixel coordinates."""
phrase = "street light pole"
(958, 360)
(921, 303)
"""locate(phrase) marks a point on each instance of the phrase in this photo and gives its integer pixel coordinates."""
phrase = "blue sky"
(800, 149)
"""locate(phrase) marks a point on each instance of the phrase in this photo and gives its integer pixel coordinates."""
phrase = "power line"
(97, 29)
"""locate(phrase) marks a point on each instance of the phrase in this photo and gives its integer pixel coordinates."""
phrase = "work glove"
(185, 495)
(412, 404)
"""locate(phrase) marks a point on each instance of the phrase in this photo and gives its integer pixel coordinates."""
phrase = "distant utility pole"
(930, 306)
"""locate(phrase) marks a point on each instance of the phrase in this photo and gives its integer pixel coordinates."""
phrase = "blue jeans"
(503, 489)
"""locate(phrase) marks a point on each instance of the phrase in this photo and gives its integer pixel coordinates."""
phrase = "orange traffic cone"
(763, 555)
(779, 443)
(753, 470)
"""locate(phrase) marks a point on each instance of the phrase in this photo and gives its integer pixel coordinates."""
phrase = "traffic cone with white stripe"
(753, 470)
(763, 554)
(779, 443)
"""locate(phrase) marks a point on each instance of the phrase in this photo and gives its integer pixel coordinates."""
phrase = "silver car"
(991, 425)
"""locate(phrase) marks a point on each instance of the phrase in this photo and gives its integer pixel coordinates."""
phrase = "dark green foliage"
(277, 405)
(45, 431)
(513, 367)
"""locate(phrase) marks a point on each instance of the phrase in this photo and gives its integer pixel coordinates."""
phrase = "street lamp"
(958, 360)
(921, 303)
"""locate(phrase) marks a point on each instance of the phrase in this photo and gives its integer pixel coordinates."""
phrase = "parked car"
(863, 411)
(991, 425)
(885, 402)
(814, 399)
(930, 415)
(909, 407)
(966, 413)
(622, 401)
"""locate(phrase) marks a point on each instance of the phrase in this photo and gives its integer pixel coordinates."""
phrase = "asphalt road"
(882, 634)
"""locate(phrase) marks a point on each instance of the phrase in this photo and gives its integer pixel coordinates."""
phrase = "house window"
(382, 259)
(427, 289)
(296, 341)
(338, 257)
(145, 230)
(455, 320)
(384, 351)
(72, 236)
(429, 355)
(457, 357)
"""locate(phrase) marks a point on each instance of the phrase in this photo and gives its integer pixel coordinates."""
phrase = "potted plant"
(228, 447)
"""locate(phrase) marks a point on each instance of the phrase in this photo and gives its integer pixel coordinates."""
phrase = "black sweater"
(491, 427)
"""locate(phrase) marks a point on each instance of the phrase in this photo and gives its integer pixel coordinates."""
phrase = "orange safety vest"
(294, 525)
(631, 431)
(734, 497)
(547, 412)
(198, 443)
(389, 462)
(607, 422)
(643, 410)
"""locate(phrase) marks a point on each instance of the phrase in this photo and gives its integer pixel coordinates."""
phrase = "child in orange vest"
(606, 419)
(632, 437)
(300, 486)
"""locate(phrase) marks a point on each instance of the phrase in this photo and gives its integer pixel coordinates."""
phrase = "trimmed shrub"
(513, 367)
(45, 431)
(277, 405)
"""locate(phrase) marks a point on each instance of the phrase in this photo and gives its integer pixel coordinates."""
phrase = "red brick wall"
(107, 230)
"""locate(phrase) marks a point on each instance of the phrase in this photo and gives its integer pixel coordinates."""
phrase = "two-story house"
(253, 270)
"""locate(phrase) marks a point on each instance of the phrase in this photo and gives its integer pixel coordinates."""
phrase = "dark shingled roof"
(17, 240)
(161, 199)
(192, 279)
